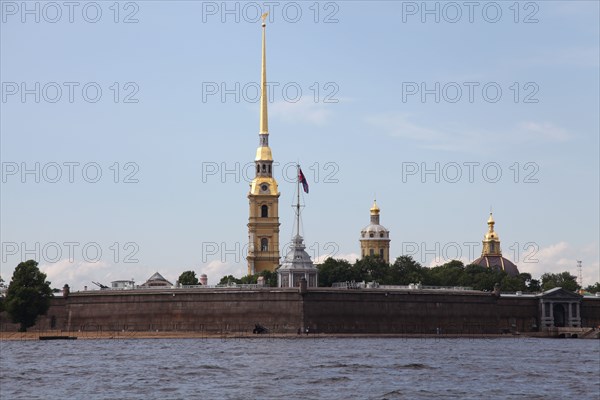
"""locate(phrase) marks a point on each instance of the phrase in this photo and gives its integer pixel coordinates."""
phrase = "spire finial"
(375, 208)
(491, 241)
(264, 123)
(491, 222)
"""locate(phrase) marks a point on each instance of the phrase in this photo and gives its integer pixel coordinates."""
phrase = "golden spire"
(491, 241)
(375, 208)
(264, 123)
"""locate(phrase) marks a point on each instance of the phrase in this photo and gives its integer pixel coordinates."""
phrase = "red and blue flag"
(302, 180)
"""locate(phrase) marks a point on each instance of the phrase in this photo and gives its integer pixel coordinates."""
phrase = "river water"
(301, 368)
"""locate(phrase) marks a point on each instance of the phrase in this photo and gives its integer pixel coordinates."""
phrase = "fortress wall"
(202, 310)
(285, 310)
(377, 311)
(521, 314)
(590, 312)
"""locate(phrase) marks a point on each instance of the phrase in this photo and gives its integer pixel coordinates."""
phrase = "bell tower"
(263, 221)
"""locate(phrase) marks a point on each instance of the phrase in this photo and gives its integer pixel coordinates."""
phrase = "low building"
(156, 280)
(124, 284)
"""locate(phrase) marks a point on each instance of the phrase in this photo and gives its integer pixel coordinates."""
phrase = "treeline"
(270, 279)
(405, 270)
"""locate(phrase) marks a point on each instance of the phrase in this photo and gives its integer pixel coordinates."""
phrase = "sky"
(129, 129)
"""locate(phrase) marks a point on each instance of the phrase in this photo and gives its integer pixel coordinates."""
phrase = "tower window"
(264, 211)
(370, 235)
(269, 169)
(264, 168)
(381, 253)
(381, 234)
(257, 169)
(264, 244)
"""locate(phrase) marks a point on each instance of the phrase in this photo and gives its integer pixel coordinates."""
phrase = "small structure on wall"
(560, 308)
(156, 280)
(297, 264)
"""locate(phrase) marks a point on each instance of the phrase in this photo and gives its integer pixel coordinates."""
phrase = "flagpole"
(298, 200)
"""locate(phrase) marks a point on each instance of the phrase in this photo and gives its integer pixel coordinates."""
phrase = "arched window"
(264, 244)
(257, 168)
(371, 252)
(269, 168)
(264, 211)
(264, 168)
(381, 234)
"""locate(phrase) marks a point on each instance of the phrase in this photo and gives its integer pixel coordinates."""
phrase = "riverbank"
(35, 335)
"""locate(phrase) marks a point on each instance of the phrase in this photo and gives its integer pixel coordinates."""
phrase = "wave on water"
(332, 379)
(413, 366)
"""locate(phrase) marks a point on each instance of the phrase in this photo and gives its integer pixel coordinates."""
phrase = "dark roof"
(157, 280)
(498, 263)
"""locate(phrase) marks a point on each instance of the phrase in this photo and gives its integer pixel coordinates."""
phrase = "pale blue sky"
(367, 60)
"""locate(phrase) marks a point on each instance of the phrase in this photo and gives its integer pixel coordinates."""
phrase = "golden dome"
(375, 208)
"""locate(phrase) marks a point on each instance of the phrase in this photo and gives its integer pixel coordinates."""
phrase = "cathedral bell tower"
(263, 221)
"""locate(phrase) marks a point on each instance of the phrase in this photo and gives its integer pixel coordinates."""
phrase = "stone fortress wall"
(286, 310)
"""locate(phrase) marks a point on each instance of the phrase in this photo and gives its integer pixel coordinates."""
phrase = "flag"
(302, 180)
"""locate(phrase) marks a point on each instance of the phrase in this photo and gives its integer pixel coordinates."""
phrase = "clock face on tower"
(264, 187)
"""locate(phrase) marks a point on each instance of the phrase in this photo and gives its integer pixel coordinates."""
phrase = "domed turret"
(491, 255)
(375, 238)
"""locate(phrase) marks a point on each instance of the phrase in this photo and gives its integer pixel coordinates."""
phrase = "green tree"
(534, 285)
(270, 278)
(227, 279)
(28, 295)
(595, 288)
(188, 278)
(372, 268)
(482, 278)
(449, 274)
(331, 271)
(513, 284)
(405, 270)
(564, 280)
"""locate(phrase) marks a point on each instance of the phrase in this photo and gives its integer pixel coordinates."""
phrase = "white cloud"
(303, 111)
(75, 274)
(542, 131)
(217, 269)
(78, 275)
(453, 139)
(562, 256)
(401, 125)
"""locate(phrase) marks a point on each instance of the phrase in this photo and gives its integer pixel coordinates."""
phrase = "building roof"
(157, 280)
(297, 258)
(498, 263)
